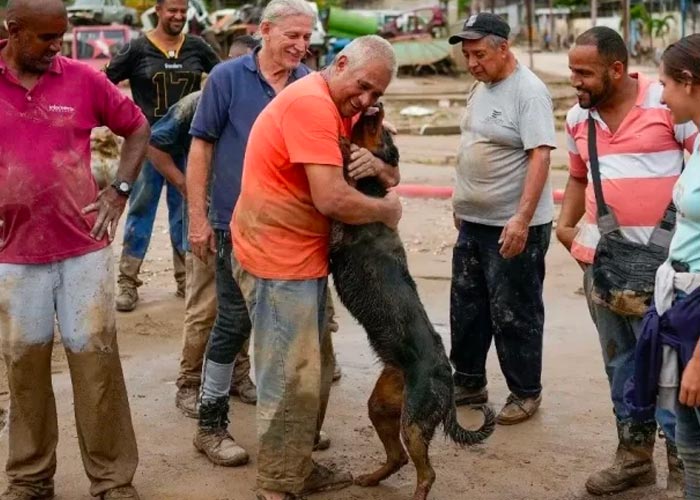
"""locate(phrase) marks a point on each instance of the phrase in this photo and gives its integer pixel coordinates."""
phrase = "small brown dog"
(415, 391)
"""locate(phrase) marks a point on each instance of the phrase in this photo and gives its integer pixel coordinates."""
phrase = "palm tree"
(654, 27)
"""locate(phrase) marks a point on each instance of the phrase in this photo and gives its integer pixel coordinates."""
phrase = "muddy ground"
(546, 458)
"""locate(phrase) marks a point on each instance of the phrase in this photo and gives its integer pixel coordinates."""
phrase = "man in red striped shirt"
(640, 153)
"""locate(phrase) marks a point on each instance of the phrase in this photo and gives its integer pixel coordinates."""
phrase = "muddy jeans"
(293, 356)
(499, 299)
(618, 339)
(200, 314)
(79, 293)
(688, 442)
(141, 215)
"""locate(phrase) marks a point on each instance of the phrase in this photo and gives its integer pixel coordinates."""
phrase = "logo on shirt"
(173, 66)
(57, 108)
(496, 114)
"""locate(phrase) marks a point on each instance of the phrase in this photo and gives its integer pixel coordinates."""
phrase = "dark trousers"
(232, 325)
(501, 299)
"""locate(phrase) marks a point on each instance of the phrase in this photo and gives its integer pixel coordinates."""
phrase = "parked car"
(101, 12)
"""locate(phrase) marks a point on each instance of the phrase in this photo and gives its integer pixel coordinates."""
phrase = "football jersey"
(160, 78)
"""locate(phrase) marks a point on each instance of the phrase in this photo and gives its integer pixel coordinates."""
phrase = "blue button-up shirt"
(233, 97)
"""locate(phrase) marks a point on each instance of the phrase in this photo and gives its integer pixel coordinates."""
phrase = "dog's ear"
(345, 151)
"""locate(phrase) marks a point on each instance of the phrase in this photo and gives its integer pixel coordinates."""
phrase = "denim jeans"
(143, 205)
(231, 327)
(499, 299)
(618, 339)
(289, 323)
(688, 442)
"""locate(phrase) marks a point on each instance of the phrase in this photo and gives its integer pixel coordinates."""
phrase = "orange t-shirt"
(277, 231)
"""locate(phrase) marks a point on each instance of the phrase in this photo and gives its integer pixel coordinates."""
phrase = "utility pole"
(626, 22)
(594, 12)
(684, 8)
(528, 6)
(493, 6)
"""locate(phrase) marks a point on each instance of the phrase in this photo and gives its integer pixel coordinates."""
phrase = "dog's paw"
(367, 480)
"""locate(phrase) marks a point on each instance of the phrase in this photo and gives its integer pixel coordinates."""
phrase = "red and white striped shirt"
(639, 165)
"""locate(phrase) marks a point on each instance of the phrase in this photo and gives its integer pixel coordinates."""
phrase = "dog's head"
(367, 132)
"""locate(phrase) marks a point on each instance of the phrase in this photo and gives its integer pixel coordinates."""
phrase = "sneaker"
(220, 447)
(322, 442)
(15, 493)
(180, 292)
(127, 298)
(323, 478)
(121, 493)
(472, 397)
(518, 410)
(245, 390)
(186, 401)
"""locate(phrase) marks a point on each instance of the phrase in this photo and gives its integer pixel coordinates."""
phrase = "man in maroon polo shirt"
(55, 259)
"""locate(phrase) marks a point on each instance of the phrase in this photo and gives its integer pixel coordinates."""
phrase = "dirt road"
(547, 458)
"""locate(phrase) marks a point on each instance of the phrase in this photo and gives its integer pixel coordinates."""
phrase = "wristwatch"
(122, 187)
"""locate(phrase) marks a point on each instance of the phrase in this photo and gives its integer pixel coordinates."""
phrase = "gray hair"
(280, 9)
(495, 41)
(369, 48)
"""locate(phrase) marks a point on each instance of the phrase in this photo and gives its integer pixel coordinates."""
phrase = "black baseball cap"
(480, 25)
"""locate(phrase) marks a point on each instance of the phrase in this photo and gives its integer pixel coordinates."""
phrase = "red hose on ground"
(444, 192)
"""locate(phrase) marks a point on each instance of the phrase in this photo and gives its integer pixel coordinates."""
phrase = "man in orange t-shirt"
(292, 186)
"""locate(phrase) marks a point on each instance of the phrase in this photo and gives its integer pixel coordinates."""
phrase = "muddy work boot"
(322, 441)
(186, 401)
(15, 493)
(213, 438)
(245, 390)
(468, 397)
(121, 493)
(128, 283)
(518, 410)
(323, 478)
(179, 273)
(634, 462)
(674, 483)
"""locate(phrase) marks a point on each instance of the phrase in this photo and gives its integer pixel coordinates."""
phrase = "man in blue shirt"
(169, 146)
(235, 94)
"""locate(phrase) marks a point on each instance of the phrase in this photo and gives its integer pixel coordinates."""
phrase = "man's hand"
(514, 236)
(690, 384)
(394, 210)
(201, 238)
(109, 207)
(362, 163)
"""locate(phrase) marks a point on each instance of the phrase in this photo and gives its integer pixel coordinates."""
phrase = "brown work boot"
(128, 281)
(337, 372)
(633, 465)
(324, 479)
(179, 273)
(518, 410)
(245, 390)
(213, 438)
(186, 401)
(465, 396)
(121, 493)
(674, 483)
(322, 441)
(127, 298)
(15, 493)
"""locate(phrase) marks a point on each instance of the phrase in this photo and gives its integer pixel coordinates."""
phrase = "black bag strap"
(606, 220)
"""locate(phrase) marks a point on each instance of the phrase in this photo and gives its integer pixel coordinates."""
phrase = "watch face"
(124, 187)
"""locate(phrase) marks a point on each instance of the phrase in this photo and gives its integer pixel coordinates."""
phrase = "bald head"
(26, 9)
(36, 32)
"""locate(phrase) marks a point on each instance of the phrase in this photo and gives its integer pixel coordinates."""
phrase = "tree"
(654, 27)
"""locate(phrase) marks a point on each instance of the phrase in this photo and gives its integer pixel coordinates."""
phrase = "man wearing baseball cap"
(503, 210)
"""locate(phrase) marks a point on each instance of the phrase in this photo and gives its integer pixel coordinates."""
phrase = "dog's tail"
(464, 437)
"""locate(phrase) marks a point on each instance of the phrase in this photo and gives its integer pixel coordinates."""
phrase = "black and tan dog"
(415, 391)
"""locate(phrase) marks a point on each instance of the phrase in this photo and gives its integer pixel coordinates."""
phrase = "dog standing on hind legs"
(415, 392)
